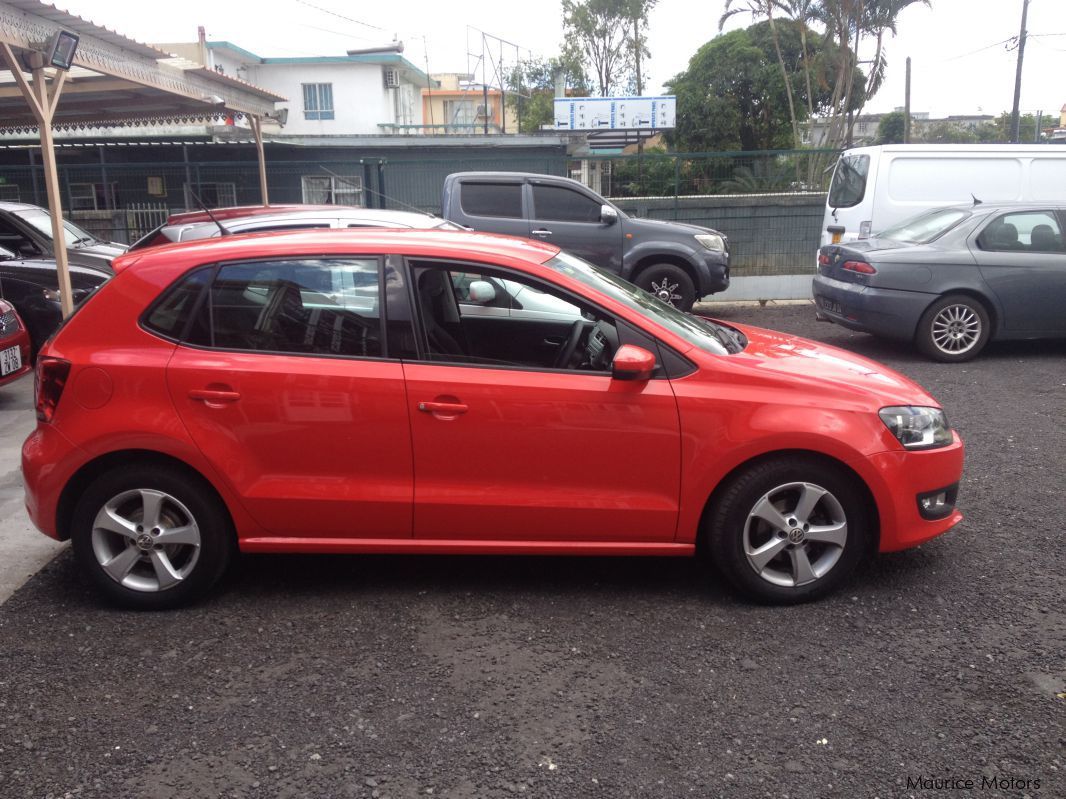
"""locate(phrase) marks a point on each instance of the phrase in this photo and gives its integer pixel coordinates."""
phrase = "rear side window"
(557, 204)
(305, 307)
(492, 199)
(174, 309)
(849, 181)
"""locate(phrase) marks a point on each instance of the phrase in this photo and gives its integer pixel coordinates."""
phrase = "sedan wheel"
(789, 529)
(953, 329)
(151, 537)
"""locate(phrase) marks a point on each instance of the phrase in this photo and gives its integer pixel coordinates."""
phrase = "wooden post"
(256, 125)
(43, 105)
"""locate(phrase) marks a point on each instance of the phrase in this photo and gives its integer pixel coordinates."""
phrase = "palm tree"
(765, 8)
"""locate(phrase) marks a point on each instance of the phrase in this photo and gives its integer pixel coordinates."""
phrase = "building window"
(9, 193)
(213, 195)
(91, 196)
(332, 189)
(318, 100)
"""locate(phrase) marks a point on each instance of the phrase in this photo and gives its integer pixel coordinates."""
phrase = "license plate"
(829, 305)
(10, 361)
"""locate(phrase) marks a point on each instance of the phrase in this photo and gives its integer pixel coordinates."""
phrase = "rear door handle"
(541, 232)
(443, 408)
(214, 396)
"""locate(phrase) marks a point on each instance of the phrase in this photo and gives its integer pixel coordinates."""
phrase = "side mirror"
(608, 215)
(632, 363)
(481, 292)
(6, 254)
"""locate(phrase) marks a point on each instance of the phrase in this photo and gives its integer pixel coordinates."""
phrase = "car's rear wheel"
(954, 329)
(669, 283)
(151, 537)
(789, 529)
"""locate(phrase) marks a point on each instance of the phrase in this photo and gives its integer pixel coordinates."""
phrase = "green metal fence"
(770, 204)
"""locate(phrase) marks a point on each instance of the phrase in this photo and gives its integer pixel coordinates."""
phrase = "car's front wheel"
(669, 283)
(151, 537)
(954, 329)
(789, 529)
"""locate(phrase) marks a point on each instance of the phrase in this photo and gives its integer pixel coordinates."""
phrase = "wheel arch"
(674, 259)
(857, 481)
(89, 471)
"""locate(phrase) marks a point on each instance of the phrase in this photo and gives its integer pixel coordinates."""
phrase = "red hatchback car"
(370, 391)
(14, 345)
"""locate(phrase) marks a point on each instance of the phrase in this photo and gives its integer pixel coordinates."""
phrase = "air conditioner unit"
(392, 78)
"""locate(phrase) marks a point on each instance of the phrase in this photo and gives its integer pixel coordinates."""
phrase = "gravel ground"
(493, 677)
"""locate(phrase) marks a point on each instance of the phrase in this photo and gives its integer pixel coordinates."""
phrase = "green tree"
(609, 37)
(733, 96)
(531, 89)
(891, 128)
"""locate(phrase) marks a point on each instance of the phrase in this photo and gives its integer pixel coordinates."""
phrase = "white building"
(355, 94)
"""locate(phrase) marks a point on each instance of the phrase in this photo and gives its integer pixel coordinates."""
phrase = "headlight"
(712, 241)
(916, 427)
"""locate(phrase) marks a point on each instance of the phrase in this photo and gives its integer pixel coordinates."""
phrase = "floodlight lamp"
(60, 50)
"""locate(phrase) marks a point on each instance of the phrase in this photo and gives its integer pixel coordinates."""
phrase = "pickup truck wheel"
(669, 283)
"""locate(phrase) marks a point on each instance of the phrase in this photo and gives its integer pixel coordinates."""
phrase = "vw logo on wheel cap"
(796, 535)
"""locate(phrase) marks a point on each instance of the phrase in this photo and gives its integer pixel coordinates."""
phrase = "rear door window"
(559, 204)
(492, 199)
(304, 307)
(1023, 231)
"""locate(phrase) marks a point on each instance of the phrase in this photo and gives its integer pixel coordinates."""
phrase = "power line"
(341, 16)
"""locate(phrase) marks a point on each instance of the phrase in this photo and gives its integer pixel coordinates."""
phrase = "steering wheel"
(569, 347)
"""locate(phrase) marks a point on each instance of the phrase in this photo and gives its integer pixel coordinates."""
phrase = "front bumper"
(868, 309)
(714, 272)
(901, 479)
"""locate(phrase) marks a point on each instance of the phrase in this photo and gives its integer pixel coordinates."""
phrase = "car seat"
(1043, 239)
(439, 309)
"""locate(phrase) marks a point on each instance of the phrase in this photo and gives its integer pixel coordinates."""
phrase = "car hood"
(659, 226)
(779, 355)
(105, 249)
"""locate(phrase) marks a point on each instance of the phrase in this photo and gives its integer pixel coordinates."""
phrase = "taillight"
(49, 381)
(823, 259)
(861, 267)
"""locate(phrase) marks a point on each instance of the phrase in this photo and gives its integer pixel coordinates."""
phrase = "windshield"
(925, 227)
(699, 332)
(73, 234)
(849, 181)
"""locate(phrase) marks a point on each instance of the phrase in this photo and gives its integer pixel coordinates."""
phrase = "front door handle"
(214, 397)
(541, 233)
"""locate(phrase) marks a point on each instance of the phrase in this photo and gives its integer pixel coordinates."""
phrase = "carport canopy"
(113, 81)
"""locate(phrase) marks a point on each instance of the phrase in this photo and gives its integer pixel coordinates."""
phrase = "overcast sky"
(960, 62)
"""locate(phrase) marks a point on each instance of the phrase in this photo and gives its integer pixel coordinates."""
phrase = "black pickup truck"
(676, 262)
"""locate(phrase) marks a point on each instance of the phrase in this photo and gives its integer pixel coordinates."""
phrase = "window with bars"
(332, 189)
(318, 100)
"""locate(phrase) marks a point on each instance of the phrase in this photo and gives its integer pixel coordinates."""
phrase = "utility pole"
(1015, 121)
(907, 106)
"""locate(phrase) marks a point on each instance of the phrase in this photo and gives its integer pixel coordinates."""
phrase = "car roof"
(381, 216)
(459, 245)
(238, 211)
(1008, 205)
(9, 206)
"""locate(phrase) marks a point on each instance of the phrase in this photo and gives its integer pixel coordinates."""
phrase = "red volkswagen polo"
(433, 392)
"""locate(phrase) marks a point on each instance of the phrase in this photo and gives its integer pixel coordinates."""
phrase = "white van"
(875, 187)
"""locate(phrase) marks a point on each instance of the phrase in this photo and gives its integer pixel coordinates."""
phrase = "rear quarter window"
(492, 199)
(172, 312)
(849, 181)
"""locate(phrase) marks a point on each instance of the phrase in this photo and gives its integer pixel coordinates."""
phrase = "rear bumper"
(903, 478)
(884, 312)
(49, 460)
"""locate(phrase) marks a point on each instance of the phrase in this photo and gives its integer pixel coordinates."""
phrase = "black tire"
(160, 575)
(953, 329)
(736, 538)
(669, 283)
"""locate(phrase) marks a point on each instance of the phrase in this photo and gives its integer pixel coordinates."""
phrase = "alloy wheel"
(146, 540)
(666, 291)
(956, 329)
(795, 534)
